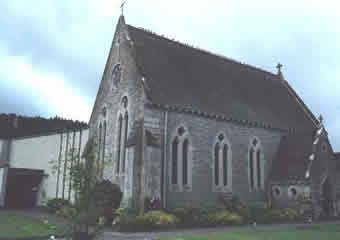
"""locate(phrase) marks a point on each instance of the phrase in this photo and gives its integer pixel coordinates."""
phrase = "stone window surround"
(103, 118)
(290, 192)
(179, 187)
(256, 148)
(276, 191)
(116, 67)
(121, 112)
(221, 187)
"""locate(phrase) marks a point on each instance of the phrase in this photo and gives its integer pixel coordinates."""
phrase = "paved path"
(157, 235)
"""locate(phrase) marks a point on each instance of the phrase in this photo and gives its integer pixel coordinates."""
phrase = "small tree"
(83, 177)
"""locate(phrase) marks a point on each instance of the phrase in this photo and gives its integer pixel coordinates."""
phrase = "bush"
(107, 198)
(264, 214)
(160, 220)
(191, 216)
(56, 204)
(126, 220)
(66, 211)
(237, 206)
(205, 217)
(225, 217)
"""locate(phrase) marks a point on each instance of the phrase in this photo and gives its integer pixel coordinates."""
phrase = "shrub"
(66, 212)
(126, 220)
(225, 217)
(107, 198)
(56, 204)
(191, 216)
(160, 220)
(264, 214)
(236, 205)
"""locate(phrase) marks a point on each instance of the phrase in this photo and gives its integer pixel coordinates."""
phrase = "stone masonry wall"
(203, 132)
(109, 96)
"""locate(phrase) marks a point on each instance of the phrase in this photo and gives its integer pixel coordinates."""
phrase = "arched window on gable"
(126, 125)
(99, 146)
(123, 127)
(221, 163)
(116, 74)
(120, 123)
(103, 151)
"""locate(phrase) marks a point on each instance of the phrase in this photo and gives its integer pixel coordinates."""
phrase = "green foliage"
(225, 217)
(56, 204)
(66, 212)
(236, 205)
(160, 220)
(107, 198)
(262, 213)
(208, 216)
(126, 220)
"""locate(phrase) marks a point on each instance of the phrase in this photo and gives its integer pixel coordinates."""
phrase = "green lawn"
(15, 226)
(323, 232)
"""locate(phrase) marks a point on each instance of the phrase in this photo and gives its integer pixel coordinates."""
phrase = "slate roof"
(29, 126)
(180, 75)
(292, 158)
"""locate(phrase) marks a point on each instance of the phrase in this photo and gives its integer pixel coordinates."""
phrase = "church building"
(188, 127)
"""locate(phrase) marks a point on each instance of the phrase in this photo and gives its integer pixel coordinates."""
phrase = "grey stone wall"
(203, 132)
(110, 95)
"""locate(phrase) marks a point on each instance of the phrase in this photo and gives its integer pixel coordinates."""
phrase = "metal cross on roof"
(122, 6)
(279, 66)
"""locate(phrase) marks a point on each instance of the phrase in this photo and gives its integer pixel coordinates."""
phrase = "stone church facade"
(186, 126)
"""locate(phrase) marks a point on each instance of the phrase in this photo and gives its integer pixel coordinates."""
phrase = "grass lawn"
(322, 232)
(16, 226)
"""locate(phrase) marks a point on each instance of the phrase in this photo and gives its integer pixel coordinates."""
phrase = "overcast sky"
(52, 53)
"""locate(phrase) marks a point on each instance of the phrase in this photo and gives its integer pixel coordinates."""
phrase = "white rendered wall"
(37, 152)
(1, 178)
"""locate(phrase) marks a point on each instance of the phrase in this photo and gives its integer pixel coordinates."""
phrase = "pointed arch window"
(99, 146)
(256, 179)
(251, 167)
(221, 163)
(116, 74)
(216, 167)
(119, 137)
(123, 129)
(225, 165)
(103, 150)
(180, 172)
(185, 161)
(174, 160)
(126, 125)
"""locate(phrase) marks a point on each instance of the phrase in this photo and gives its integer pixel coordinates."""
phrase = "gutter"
(164, 162)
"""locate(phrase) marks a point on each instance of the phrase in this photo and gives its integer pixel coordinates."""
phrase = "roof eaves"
(219, 117)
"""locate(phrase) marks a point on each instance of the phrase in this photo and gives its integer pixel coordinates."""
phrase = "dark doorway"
(22, 187)
(327, 203)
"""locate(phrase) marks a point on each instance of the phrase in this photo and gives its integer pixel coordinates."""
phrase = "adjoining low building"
(28, 146)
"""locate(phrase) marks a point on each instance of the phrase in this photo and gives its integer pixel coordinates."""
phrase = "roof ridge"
(187, 45)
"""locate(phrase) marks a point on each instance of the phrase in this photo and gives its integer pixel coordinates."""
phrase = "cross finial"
(279, 66)
(320, 119)
(122, 6)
